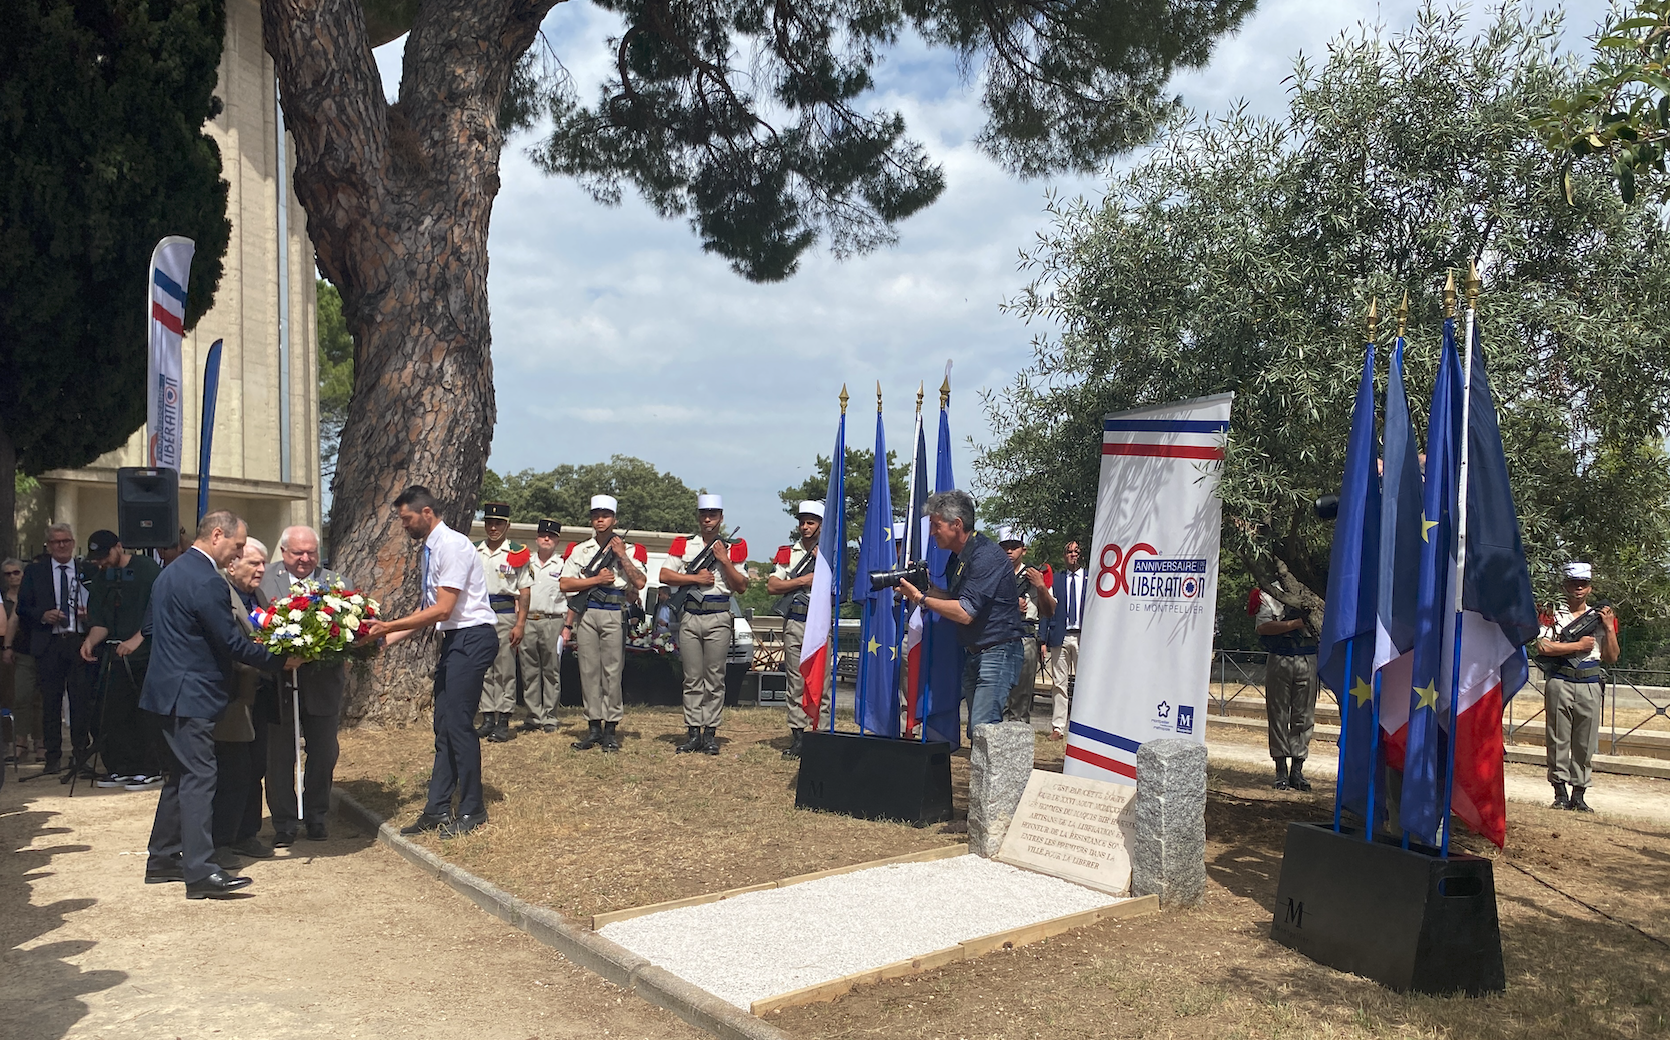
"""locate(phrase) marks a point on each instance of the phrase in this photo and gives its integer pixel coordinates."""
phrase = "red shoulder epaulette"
(640, 554)
(739, 551)
(1049, 575)
(568, 550)
(1253, 599)
(518, 555)
(782, 557)
(680, 544)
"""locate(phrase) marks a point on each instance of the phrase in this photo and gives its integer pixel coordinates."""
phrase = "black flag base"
(1406, 918)
(875, 778)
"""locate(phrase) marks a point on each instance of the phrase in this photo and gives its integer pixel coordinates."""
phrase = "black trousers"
(132, 742)
(185, 813)
(466, 654)
(59, 670)
(234, 776)
(318, 766)
(250, 824)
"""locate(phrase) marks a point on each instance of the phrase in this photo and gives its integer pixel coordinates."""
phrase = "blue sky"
(614, 333)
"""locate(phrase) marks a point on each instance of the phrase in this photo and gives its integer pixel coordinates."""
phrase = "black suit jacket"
(38, 595)
(195, 640)
(1054, 628)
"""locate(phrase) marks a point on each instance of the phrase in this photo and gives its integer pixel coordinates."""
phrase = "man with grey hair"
(321, 685)
(982, 601)
(52, 614)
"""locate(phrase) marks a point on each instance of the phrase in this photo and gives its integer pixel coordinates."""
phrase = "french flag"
(815, 650)
(1165, 438)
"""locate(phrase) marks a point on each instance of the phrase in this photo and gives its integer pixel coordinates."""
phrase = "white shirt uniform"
(546, 596)
(713, 598)
(783, 571)
(453, 563)
(583, 554)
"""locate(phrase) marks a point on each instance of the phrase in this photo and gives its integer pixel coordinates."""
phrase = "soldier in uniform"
(542, 641)
(596, 591)
(791, 580)
(506, 566)
(1036, 601)
(704, 574)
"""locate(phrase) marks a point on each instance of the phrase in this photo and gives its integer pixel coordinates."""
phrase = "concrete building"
(265, 463)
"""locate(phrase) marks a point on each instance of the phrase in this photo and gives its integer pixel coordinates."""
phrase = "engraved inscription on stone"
(1074, 828)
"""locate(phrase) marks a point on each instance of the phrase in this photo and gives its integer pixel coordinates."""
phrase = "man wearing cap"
(1289, 688)
(542, 640)
(703, 573)
(596, 591)
(118, 593)
(506, 565)
(1035, 603)
(1061, 633)
(791, 581)
(1571, 651)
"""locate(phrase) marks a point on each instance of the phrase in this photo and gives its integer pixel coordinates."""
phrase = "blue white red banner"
(165, 311)
(1145, 651)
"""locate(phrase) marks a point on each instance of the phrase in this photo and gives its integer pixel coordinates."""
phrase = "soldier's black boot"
(488, 719)
(1577, 802)
(692, 740)
(1296, 777)
(1560, 799)
(1281, 775)
(611, 739)
(594, 736)
(710, 740)
(501, 728)
(793, 750)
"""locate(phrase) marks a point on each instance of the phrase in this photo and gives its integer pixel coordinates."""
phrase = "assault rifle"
(785, 603)
(1585, 624)
(705, 561)
(604, 558)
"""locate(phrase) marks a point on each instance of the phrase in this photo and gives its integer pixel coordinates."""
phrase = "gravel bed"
(760, 944)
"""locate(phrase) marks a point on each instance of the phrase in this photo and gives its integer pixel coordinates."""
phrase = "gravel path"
(761, 944)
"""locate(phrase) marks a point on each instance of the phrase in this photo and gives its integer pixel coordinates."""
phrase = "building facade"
(265, 462)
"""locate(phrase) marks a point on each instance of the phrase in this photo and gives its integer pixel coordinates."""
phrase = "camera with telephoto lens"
(915, 573)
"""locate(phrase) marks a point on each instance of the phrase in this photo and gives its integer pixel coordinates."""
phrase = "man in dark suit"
(52, 618)
(195, 641)
(321, 684)
(1071, 591)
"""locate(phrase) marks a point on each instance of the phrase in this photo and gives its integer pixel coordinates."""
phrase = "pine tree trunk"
(399, 200)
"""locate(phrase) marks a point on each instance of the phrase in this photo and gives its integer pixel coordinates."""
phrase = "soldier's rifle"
(605, 558)
(785, 602)
(706, 560)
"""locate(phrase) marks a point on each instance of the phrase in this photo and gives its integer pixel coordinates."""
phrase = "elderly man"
(321, 685)
(1571, 650)
(52, 621)
(239, 755)
(982, 601)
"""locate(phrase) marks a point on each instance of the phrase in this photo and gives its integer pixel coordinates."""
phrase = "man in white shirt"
(595, 585)
(455, 602)
(703, 572)
(1062, 633)
(544, 632)
(1570, 652)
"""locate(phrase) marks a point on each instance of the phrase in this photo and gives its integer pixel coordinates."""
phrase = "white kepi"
(810, 509)
(709, 502)
(604, 502)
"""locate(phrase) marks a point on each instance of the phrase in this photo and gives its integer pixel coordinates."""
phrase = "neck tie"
(64, 603)
(427, 601)
(1072, 601)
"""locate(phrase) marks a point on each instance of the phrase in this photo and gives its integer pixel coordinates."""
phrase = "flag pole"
(1374, 705)
(912, 548)
(1350, 647)
(1473, 286)
(838, 471)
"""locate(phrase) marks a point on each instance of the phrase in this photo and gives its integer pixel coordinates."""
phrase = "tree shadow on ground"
(41, 999)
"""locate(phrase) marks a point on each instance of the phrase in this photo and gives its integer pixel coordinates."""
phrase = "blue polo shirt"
(982, 578)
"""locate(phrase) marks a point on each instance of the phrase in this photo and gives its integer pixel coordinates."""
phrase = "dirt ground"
(340, 939)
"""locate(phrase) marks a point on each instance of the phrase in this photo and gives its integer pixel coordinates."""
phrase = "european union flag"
(1345, 658)
(1423, 802)
(941, 715)
(878, 692)
(1400, 524)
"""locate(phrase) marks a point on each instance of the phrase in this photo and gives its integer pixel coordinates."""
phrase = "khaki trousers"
(602, 651)
(498, 689)
(1290, 703)
(703, 642)
(1064, 665)
(542, 669)
(794, 640)
(1019, 706)
(1572, 729)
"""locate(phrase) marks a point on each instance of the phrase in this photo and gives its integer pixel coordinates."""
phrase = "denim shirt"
(982, 578)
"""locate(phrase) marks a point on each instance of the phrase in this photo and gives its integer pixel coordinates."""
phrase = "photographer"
(983, 602)
(1570, 652)
(120, 591)
(1289, 688)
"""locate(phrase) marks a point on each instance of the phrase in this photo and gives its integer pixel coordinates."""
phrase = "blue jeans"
(987, 679)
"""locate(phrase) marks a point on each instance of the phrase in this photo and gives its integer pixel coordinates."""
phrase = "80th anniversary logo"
(1151, 582)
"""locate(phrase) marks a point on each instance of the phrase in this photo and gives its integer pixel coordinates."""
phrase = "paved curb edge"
(581, 945)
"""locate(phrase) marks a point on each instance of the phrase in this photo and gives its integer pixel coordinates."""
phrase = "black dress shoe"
(283, 839)
(163, 875)
(316, 830)
(252, 847)
(50, 766)
(427, 822)
(218, 885)
(593, 737)
(462, 825)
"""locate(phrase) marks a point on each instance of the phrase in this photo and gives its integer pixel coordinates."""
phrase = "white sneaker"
(143, 783)
(113, 780)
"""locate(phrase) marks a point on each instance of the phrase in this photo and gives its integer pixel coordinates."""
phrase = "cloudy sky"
(614, 333)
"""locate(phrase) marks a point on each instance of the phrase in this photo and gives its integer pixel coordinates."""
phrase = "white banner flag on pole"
(1145, 651)
(165, 310)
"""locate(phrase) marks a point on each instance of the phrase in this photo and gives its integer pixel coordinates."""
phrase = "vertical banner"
(206, 436)
(165, 310)
(1145, 651)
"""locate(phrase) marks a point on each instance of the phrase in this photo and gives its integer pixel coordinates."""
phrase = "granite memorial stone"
(999, 764)
(1169, 857)
(1076, 829)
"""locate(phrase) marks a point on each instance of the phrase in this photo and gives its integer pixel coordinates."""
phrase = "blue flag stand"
(1409, 915)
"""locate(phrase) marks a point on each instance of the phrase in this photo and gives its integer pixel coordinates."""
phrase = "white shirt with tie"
(1073, 601)
(68, 596)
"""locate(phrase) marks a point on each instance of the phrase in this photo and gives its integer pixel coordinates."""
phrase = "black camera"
(915, 573)
(1326, 507)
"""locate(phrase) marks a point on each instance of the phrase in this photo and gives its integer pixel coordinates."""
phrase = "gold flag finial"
(843, 398)
(878, 397)
(919, 395)
(1449, 294)
(1373, 317)
(1403, 315)
(945, 392)
(1474, 284)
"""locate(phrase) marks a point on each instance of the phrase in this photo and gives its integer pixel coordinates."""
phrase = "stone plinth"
(1000, 762)
(1169, 859)
(1075, 828)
